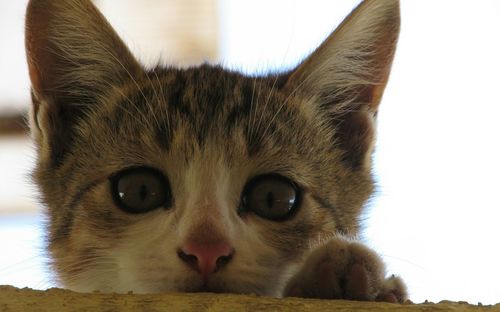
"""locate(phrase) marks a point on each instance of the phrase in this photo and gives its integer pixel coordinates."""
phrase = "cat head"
(201, 178)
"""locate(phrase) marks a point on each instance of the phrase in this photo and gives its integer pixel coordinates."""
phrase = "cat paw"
(344, 269)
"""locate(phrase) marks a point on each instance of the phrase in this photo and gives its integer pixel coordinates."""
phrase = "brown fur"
(96, 112)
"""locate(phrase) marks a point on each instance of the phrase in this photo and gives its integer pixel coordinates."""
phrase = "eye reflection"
(272, 197)
(140, 189)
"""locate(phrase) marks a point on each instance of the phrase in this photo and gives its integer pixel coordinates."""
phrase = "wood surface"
(15, 299)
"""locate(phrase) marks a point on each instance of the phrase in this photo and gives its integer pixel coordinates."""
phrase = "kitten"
(203, 179)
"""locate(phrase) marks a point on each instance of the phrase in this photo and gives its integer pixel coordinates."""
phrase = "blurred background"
(435, 218)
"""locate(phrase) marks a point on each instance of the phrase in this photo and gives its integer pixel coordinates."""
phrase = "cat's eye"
(271, 196)
(140, 189)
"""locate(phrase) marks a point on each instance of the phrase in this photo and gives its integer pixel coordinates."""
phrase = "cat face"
(198, 179)
(208, 155)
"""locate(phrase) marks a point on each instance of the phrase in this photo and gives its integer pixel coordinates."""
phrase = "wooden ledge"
(15, 299)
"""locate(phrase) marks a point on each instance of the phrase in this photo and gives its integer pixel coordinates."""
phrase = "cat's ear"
(347, 74)
(74, 56)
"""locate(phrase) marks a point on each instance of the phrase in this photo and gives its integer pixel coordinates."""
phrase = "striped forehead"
(208, 103)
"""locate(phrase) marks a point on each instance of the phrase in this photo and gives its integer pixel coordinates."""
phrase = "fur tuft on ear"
(347, 74)
(74, 56)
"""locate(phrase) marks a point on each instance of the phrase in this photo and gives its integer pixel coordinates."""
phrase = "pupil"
(270, 199)
(143, 192)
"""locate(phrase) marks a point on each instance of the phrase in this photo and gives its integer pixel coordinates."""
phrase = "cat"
(204, 179)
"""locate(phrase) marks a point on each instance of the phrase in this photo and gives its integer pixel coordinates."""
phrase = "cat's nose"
(206, 258)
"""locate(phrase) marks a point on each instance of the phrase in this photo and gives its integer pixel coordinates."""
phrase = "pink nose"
(206, 258)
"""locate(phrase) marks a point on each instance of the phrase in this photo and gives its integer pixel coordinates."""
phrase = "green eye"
(141, 189)
(271, 196)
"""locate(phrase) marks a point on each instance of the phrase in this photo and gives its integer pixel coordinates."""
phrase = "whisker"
(285, 102)
(250, 121)
(148, 104)
(256, 108)
(134, 105)
(167, 117)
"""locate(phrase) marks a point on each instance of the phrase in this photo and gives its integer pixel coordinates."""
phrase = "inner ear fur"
(74, 57)
(347, 74)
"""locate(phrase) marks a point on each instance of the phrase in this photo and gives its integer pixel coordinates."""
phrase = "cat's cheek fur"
(82, 244)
